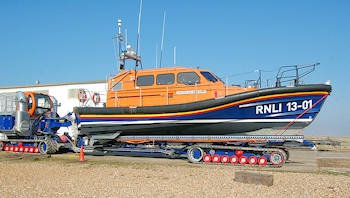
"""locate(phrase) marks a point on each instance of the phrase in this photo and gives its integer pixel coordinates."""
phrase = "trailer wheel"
(48, 147)
(277, 158)
(195, 154)
(262, 161)
(234, 159)
(172, 154)
(225, 159)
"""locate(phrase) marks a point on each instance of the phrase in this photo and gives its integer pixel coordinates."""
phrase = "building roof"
(54, 84)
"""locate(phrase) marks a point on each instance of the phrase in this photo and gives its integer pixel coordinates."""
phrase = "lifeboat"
(185, 101)
(193, 101)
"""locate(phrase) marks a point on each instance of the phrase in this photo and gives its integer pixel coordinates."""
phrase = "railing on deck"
(293, 73)
(286, 76)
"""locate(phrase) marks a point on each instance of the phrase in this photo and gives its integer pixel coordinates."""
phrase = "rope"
(288, 125)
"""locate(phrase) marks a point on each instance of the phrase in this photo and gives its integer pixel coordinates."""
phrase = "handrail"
(285, 74)
(280, 77)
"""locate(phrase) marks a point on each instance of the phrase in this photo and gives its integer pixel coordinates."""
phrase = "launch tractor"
(29, 123)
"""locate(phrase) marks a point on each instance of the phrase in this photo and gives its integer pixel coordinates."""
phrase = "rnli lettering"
(278, 107)
(268, 108)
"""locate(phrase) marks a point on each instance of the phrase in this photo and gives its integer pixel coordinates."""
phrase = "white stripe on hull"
(198, 121)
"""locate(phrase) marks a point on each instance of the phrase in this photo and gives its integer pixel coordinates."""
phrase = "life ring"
(96, 98)
(82, 97)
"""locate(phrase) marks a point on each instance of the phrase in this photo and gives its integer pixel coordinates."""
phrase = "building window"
(187, 78)
(145, 80)
(73, 93)
(165, 79)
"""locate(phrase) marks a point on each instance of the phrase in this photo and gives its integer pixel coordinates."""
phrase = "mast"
(120, 41)
(129, 53)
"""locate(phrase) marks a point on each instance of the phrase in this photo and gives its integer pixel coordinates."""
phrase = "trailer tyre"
(195, 154)
(277, 158)
(172, 154)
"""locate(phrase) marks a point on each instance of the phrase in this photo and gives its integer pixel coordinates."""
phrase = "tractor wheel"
(49, 146)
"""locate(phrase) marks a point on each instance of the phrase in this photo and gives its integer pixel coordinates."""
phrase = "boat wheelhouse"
(166, 86)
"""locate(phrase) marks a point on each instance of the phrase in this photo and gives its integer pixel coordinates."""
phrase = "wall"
(65, 93)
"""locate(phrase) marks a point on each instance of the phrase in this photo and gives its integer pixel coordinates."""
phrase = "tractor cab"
(38, 103)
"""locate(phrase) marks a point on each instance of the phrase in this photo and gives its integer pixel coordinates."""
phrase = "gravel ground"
(51, 178)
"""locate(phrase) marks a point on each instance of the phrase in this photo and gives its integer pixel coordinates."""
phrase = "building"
(65, 93)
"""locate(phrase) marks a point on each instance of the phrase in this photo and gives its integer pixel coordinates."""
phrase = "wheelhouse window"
(209, 76)
(188, 78)
(117, 86)
(165, 79)
(145, 80)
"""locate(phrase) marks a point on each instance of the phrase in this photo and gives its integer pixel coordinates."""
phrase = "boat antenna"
(161, 48)
(156, 56)
(126, 37)
(115, 54)
(138, 36)
(120, 41)
(174, 55)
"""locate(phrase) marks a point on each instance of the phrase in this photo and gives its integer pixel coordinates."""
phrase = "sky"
(72, 41)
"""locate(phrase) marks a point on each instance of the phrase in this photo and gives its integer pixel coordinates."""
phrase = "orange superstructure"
(166, 86)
